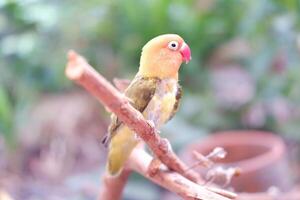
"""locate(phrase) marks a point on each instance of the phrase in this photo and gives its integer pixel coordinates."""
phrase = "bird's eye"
(173, 45)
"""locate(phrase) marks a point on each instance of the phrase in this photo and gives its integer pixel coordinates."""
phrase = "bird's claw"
(154, 167)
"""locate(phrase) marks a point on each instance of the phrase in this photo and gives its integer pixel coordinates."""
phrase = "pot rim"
(275, 147)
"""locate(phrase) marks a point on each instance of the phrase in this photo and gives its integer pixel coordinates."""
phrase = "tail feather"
(120, 149)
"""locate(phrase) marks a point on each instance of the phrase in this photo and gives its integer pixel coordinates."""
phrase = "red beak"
(186, 53)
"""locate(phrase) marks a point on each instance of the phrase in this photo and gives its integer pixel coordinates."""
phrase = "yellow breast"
(161, 106)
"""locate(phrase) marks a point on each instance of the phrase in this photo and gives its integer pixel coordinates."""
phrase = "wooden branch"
(180, 180)
(80, 71)
(112, 187)
(140, 161)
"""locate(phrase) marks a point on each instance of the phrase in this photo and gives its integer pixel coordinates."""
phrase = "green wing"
(140, 92)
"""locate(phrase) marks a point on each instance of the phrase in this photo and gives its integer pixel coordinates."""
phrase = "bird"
(154, 91)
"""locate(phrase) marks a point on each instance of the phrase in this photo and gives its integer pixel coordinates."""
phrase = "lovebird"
(154, 91)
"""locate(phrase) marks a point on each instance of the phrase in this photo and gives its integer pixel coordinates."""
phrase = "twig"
(140, 161)
(81, 72)
(208, 160)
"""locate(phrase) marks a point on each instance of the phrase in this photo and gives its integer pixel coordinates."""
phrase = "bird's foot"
(154, 167)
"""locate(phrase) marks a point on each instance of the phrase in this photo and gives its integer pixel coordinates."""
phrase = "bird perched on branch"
(154, 91)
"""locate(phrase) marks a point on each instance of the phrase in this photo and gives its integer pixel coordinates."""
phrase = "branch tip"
(72, 54)
(74, 69)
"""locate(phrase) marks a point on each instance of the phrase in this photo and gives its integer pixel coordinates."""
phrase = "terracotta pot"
(260, 155)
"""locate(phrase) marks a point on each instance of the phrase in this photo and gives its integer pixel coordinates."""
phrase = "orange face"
(163, 55)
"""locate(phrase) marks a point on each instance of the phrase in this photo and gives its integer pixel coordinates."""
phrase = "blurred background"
(244, 75)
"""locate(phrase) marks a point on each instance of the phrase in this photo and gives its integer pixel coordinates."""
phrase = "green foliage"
(6, 113)
(35, 36)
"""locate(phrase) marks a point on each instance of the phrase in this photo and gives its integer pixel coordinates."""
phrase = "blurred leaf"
(35, 36)
(6, 113)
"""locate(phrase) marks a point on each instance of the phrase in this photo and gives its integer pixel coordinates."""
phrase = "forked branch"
(81, 72)
(176, 177)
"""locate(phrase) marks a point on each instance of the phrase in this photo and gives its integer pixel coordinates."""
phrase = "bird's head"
(162, 56)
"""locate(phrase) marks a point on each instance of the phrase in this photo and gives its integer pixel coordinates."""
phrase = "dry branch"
(179, 180)
(81, 72)
(112, 187)
(140, 161)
